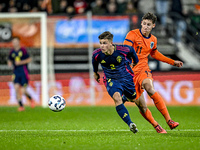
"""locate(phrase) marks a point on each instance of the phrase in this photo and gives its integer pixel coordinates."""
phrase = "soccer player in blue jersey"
(18, 60)
(118, 75)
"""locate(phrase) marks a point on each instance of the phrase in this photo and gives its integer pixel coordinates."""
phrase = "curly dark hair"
(150, 16)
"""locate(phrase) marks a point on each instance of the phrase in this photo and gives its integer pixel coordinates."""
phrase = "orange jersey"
(143, 47)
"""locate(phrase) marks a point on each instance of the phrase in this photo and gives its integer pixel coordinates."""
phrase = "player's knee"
(132, 98)
(143, 109)
(117, 98)
(149, 88)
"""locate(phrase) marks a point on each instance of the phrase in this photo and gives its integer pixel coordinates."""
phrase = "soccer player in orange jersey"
(145, 43)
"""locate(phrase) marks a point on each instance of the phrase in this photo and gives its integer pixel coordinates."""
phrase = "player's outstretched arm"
(178, 63)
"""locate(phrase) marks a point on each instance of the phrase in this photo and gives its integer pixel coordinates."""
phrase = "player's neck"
(146, 34)
(17, 48)
(110, 51)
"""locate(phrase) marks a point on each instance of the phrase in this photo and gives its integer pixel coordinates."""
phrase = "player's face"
(16, 43)
(147, 26)
(105, 45)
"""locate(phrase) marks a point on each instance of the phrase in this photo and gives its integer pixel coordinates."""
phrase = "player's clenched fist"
(178, 63)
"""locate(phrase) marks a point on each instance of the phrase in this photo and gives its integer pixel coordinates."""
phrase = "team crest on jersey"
(13, 55)
(151, 45)
(20, 54)
(119, 59)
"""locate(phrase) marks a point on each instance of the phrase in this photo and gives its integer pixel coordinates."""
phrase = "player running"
(145, 43)
(18, 59)
(118, 75)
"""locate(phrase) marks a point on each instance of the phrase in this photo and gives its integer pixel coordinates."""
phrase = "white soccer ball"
(56, 103)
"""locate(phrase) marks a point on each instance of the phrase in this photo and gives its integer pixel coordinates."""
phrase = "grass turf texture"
(95, 128)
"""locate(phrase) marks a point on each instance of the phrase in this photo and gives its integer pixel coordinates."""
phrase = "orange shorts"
(138, 79)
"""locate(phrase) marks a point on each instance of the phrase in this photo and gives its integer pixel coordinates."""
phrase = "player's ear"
(154, 25)
(111, 42)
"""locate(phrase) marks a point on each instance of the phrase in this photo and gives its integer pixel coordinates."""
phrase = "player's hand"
(10, 65)
(133, 65)
(178, 63)
(97, 77)
(17, 63)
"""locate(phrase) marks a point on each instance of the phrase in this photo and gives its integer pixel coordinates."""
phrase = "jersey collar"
(145, 36)
(115, 47)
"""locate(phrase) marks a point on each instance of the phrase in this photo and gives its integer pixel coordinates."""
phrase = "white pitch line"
(186, 130)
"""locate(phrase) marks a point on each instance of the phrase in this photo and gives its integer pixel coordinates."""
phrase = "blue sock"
(124, 99)
(123, 113)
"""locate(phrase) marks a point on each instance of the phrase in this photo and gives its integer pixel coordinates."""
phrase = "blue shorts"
(22, 79)
(125, 87)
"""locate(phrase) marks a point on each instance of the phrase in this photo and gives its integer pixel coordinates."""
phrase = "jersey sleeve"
(129, 39)
(133, 54)
(95, 62)
(155, 45)
(10, 56)
(157, 55)
(25, 53)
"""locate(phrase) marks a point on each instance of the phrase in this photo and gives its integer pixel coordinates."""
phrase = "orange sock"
(148, 116)
(160, 104)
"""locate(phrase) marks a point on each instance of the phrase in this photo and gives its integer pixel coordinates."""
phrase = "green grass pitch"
(95, 128)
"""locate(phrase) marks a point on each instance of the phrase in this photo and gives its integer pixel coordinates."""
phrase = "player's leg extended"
(24, 83)
(121, 109)
(158, 101)
(18, 96)
(146, 113)
(123, 112)
(24, 91)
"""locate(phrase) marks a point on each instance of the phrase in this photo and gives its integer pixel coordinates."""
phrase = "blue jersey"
(19, 55)
(20, 72)
(118, 75)
(117, 65)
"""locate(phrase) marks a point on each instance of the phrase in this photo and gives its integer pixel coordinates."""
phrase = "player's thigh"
(117, 97)
(138, 80)
(23, 80)
(16, 78)
(113, 86)
(147, 84)
(23, 89)
(129, 90)
(17, 88)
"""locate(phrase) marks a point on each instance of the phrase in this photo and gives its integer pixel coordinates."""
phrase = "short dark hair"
(15, 37)
(150, 16)
(106, 35)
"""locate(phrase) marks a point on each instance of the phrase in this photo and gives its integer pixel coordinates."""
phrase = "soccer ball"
(56, 103)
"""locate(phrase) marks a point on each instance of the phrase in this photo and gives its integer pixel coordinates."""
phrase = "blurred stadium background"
(65, 54)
